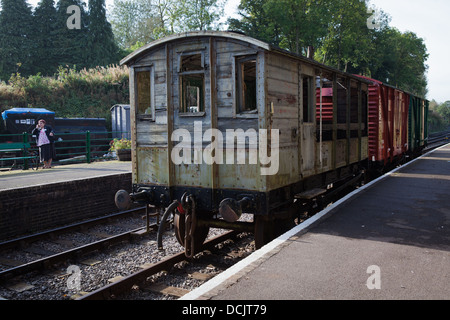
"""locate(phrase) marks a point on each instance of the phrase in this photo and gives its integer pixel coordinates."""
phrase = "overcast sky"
(428, 19)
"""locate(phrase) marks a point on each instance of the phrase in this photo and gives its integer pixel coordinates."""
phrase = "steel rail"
(46, 262)
(19, 242)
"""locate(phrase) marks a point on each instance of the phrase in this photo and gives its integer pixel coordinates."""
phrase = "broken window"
(192, 82)
(144, 104)
(191, 62)
(308, 99)
(246, 84)
(192, 91)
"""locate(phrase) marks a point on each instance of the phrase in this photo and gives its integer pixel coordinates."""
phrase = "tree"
(411, 68)
(135, 21)
(256, 22)
(400, 60)
(101, 47)
(343, 38)
(347, 41)
(146, 20)
(15, 29)
(444, 111)
(302, 22)
(200, 14)
(44, 38)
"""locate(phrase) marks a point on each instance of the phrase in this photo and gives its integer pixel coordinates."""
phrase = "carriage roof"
(129, 60)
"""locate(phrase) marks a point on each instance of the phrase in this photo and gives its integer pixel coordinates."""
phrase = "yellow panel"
(152, 166)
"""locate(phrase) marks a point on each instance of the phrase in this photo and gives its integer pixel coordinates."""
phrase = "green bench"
(15, 147)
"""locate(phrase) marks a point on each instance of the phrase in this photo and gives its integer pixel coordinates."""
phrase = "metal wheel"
(179, 223)
(179, 226)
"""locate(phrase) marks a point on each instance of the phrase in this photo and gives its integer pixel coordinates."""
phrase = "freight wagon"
(398, 125)
(222, 124)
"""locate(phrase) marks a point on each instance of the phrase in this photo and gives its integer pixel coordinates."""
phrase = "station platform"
(61, 173)
(389, 240)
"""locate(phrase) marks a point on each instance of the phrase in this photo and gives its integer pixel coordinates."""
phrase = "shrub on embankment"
(69, 93)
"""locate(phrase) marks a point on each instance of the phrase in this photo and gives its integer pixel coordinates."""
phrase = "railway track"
(48, 277)
(51, 234)
(32, 246)
(131, 283)
(137, 281)
(439, 138)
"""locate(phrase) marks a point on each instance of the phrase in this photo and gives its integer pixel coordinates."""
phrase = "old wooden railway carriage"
(195, 96)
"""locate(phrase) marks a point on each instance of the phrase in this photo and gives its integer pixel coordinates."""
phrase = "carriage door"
(191, 87)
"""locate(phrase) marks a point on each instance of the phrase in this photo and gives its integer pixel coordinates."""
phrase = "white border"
(238, 267)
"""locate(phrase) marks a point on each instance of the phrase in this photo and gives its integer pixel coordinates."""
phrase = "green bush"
(88, 93)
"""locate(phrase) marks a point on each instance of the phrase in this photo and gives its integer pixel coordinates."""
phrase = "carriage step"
(310, 194)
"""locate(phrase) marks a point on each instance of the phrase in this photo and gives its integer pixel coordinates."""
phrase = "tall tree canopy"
(342, 35)
(302, 23)
(44, 35)
(15, 30)
(256, 22)
(101, 46)
(340, 31)
(71, 44)
(141, 21)
(40, 41)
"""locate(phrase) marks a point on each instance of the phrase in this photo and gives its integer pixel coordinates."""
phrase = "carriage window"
(308, 102)
(246, 84)
(143, 103)
(191, 62)
(192, 82)
(192, 90)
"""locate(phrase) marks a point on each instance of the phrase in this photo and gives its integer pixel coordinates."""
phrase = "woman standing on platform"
(44, 140)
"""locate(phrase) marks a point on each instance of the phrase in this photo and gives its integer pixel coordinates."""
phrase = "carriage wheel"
(179, 226)
(180, 231)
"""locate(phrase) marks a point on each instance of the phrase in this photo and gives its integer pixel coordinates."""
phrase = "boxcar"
(397, 125)
(417, 125)
(223, 123)
(388, 123)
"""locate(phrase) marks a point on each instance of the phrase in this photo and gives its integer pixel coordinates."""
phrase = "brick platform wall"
(25, 211)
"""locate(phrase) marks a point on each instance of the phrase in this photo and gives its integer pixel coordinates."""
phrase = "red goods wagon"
(327, 105)
(388, 123)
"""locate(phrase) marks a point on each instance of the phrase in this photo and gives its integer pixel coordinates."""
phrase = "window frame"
(150, 70)
(238, 60)
(311, 94)
(182, 75)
